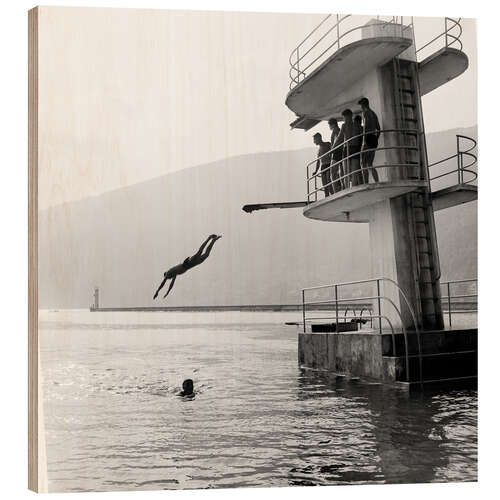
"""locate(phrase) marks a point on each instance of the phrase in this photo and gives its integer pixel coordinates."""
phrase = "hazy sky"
(127, 95)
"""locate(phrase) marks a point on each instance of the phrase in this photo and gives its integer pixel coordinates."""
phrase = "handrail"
(294, 66)
(447, 35)
(462, 167)
(449, 297)
(346, 178)
(363, 309)
(346, 311)
(465, 156)
(296, 72)
(379, 298)
(371, 317)
(299, 66)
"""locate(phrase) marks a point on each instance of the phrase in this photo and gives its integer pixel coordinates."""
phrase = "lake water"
(113, 422)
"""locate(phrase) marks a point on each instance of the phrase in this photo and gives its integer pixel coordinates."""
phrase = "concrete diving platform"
(353, 204)
(441, 67)
(453, 196)
(333, 84)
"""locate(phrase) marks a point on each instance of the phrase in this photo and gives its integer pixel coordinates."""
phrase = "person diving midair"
(188, 263)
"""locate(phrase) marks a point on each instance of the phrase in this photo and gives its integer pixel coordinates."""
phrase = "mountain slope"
(123, 240)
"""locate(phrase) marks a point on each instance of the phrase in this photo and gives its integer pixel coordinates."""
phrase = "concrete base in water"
(446, 355)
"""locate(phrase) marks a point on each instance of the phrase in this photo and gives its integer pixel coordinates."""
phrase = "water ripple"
(113, 421)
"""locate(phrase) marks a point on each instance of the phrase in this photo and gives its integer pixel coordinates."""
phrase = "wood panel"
(33, 249)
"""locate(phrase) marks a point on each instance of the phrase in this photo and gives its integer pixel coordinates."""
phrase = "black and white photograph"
(253, 256)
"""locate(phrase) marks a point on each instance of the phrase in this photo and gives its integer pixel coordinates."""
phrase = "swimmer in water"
(196, 259)
(187, 389)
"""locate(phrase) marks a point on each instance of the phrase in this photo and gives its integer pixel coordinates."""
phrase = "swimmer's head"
(187, 386)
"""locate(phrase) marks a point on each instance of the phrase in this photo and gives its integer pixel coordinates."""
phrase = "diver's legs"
(204, 244)
(209, 247)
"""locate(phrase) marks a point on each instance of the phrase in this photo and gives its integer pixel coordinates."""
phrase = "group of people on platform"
(348, 158)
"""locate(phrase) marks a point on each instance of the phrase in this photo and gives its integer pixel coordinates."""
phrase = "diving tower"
(337, 64)
(382, 66)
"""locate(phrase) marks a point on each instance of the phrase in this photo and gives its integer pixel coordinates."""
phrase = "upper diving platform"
(321, 94)
(328, 68)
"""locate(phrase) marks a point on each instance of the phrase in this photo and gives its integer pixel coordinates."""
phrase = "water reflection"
(381, 434)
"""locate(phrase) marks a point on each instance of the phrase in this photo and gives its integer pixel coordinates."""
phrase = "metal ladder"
(407, 116)
(420, 213)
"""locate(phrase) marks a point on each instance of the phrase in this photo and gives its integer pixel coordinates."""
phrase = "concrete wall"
(354, 354)
(374, 28)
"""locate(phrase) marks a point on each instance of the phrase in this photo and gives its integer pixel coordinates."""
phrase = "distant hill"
(123, 240)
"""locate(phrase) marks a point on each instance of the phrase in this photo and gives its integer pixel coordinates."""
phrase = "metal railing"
(350, 176)
(450, 299)
(451, 35)
(359, 318)
(465, 161)
(377, 299)
(305, 57)
(313, 50)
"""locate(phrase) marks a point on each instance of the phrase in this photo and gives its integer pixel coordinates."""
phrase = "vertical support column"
(391, 257)
(402, 230)
(336, 307)
(303, 312)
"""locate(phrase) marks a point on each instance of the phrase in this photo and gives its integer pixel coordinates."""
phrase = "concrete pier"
(446, 355)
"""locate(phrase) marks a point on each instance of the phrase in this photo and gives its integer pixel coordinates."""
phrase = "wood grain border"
(33, 249)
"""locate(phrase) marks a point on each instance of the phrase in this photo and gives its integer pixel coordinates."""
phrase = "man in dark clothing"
(195, 260)
(323, 161)
(351, 136)
(371, 133)
(336, 167)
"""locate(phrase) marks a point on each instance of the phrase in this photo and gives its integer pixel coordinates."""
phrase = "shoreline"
(459, 307)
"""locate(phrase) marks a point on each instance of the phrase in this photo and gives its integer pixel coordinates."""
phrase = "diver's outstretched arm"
(162, 284)
(170, 287)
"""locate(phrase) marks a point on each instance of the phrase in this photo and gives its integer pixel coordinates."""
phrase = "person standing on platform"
(336, 167)
(323, 162)
(371, 134)
(357, 134)
(351, 136)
